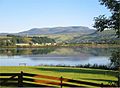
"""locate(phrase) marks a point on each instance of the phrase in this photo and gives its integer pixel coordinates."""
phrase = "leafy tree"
(115, 62)
(41, 40)
(6, 42)
(102, 22)
(115, 59)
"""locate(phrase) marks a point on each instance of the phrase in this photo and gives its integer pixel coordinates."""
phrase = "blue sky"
(22, 15)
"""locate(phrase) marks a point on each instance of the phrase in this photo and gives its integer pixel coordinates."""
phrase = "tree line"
(12, 40)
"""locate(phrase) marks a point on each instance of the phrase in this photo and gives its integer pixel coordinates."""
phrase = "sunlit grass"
(86, 74)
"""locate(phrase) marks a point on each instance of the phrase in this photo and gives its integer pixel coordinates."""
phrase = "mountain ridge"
(58, 30)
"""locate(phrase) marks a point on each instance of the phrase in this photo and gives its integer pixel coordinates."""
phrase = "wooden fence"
(35, 80)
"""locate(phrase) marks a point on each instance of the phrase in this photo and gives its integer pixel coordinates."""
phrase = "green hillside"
(107, 36)
(60, 37)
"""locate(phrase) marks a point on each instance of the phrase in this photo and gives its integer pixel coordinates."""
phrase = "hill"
(72, 34)
(58, 30)
(107, 36)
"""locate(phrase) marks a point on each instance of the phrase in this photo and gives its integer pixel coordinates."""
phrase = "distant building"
(48, 43)
(22, 44)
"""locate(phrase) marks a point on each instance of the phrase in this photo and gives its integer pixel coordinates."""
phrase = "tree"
(115, 62)
(113, 22)
(41, 40)
(115, 59)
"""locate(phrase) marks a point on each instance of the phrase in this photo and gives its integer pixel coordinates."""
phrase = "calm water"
(55, 56)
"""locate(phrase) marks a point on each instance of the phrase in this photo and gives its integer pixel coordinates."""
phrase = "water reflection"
(55, 56)
(57, 51)
(25, 51)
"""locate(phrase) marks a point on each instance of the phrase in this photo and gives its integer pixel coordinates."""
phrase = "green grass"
(86, 74)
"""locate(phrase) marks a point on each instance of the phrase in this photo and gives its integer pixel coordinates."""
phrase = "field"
(84, 74)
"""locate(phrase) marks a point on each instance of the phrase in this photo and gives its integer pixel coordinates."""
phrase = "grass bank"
(84, 74)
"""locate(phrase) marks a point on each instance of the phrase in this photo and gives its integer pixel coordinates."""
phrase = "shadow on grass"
(86, 71)
(15, 85)
(99, 80)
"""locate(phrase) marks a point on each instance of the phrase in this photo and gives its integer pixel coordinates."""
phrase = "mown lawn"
(85, 74)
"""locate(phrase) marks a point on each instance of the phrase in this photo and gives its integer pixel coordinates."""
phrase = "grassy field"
(84, 74)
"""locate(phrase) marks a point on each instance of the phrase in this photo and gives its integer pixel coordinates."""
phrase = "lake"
(55, 56)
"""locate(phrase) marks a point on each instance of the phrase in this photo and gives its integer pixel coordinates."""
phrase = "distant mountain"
(71, 34)
(4, 34)
(59, 30)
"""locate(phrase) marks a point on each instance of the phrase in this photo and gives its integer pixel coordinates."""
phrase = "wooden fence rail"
(28, 79)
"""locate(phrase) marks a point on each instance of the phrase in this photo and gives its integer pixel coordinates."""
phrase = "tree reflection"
(25, 51)
(42, 51)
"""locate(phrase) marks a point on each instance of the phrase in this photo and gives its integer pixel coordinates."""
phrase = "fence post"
(101, 85)
(61, 81)
(20, 79)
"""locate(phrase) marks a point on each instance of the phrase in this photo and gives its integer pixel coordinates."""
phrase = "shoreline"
(67, 46)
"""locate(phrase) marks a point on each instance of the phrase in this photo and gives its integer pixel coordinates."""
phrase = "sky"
(22, 15)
